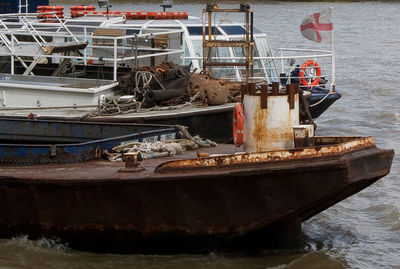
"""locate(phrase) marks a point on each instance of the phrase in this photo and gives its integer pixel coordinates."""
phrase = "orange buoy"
(75, 14)
(238, 124)
(181, 15)
(141, 15)
(159, 15)
(57, 10)
(303, 68)
(82, 8)
(49, 8)
(49, 16)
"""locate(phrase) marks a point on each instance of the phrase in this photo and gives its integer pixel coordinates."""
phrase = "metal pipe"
(85, 50)
(12, 56)
(115, 58)
(136, 53)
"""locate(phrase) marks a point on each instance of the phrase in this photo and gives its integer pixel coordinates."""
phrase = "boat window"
(198, 47)
(218, 71)
(132, 31)
(186, 56)
(264, 50)
(198, 30)
(227, 72)
(233, 30)
(256, 31)
(198, 51)
(258, 69)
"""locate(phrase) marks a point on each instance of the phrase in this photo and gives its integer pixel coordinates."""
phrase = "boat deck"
(191, 205)
(103, 169)
(222, 160)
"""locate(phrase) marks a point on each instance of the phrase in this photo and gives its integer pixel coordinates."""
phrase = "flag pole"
(333, 52)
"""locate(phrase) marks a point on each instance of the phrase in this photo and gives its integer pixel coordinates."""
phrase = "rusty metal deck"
(246, 205)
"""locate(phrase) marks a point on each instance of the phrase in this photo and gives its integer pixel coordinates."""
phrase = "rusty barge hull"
(195, 205)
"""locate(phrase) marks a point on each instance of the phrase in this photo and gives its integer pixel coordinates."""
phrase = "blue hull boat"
(59, 142)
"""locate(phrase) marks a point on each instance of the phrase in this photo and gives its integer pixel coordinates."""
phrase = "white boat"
(106, 47)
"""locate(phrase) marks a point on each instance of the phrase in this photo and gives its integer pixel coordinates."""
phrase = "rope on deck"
(158, 149)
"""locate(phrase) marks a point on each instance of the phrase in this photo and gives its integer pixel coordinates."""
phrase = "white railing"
(284, 62)
(124, 48)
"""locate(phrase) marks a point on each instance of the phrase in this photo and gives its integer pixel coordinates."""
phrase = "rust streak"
(351, 144)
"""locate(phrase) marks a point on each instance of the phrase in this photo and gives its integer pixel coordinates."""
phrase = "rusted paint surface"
(93, 206)
(346, 145)
(224, 43)
(275, 88)
(291, 90)
(264, 96)
(269, 129)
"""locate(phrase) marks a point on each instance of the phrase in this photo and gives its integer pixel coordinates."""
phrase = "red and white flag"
(318, 26)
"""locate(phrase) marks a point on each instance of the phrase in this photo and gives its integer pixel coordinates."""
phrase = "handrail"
(309, 50)
(121, 47)
(265, 57)
(116, 43)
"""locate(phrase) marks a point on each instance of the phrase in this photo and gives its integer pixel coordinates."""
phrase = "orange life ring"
(303, 68)
(238, 124)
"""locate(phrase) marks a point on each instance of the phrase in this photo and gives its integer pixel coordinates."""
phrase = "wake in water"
(42, 243)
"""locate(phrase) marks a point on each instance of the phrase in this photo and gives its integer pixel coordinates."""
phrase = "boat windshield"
(258, 67)
(264, 50)
(262, 68)
(219, 54)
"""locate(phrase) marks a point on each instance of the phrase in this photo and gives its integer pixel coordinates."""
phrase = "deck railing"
(119, 50)
(285, 62)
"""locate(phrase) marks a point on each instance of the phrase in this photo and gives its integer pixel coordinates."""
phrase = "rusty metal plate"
(335, 146)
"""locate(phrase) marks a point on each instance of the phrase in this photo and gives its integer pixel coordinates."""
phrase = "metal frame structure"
(9, 38)
(282, 56)
(209, 41)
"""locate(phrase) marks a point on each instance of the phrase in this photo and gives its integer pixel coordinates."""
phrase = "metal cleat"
(132, 163)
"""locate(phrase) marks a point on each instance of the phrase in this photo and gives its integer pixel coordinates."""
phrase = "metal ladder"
(44, 46)
(39, 40)
(7, 42)
(23, 4)
(35, 34)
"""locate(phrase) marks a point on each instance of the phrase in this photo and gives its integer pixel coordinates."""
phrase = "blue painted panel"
(11, 6)
(89, 138)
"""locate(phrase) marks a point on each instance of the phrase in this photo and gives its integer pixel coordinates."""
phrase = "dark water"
(360, 232)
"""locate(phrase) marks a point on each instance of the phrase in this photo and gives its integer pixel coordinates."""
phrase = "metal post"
(136, 53)
(209, 49)
(12, 55)
(252, 42)
(85, 50)
(333, 52)
(247, 47)
(115, 58)
(204, 40)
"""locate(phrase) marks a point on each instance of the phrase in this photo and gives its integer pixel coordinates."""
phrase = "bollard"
(131, 163)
